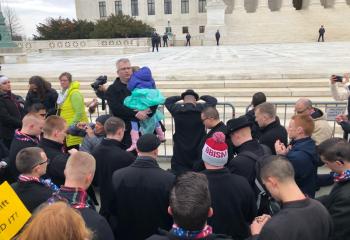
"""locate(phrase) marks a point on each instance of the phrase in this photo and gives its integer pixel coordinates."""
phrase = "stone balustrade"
(39, 45)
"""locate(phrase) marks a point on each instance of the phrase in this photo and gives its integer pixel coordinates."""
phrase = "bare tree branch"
(12, 21)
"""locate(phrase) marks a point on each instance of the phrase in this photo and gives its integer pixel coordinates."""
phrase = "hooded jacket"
(142, 79)
(322, 129)
(73, 111)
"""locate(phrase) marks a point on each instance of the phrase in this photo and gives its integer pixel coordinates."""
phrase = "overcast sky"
(32, 12)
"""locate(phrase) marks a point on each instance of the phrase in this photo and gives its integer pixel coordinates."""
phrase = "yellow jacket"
(73, 111)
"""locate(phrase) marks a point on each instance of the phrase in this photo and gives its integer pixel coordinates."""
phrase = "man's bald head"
(303, 106)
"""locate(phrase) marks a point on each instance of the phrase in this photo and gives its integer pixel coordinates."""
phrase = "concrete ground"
(251, 60)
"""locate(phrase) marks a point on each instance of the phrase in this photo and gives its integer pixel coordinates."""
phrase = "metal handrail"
(225, 115)
(319, 104)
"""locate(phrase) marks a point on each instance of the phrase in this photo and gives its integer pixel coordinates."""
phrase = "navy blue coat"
(304, 158)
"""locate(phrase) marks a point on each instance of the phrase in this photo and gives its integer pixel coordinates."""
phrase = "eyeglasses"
(301, 111)
(41, 163)
(123, 69)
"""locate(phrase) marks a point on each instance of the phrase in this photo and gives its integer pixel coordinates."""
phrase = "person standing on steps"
(321, 32)
(217, 37)
(165, 40)
(188, 39)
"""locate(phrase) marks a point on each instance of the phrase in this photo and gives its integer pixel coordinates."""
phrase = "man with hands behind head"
(189, 128)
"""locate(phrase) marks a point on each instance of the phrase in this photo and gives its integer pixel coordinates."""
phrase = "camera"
(99, 82)
(338, 78)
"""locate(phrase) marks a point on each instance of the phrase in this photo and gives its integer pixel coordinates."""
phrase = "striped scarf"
(26, 138)
(76, 197)
(344, 177)
(180, 232)
(46, 182)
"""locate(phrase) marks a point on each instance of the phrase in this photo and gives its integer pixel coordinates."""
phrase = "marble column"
(312, 4)
(215, 19)
(263, 6)
(239, 6)
(216, 12)
(340, 4)
(287, 5)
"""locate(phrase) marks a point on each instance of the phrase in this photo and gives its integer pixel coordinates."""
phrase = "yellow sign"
(13, 213)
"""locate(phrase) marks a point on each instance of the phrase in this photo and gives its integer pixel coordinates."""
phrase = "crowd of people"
(237, 180)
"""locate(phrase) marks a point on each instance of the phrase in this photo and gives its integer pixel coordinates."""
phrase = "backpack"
(264, 201)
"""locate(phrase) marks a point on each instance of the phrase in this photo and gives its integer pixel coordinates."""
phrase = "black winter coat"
(115, 95)
(243, 165)
(271, 133)
(97, 223)
(109, 157)
(338, 206)
(189, 130)
(32, 193)
(255, 126)
(49, 101)
(233, 203)
(10, 117)
(58, 160)
(141, 199)
(16, 146)
(298, 220)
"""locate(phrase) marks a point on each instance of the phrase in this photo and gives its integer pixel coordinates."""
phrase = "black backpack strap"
(261, 190)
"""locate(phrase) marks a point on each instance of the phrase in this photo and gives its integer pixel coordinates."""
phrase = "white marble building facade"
(239, 21)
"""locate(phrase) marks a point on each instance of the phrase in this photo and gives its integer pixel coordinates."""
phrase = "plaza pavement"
(203, 62)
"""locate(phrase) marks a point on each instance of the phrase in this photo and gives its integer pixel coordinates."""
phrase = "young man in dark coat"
(28, 136)
(79, 174)
(30, 187)
(11, 111)
(115, 95)
(141, 194)
(257, 99)
(190, 208)
(300, 217)
(301, 153)
(240, 133)
(233, 200)
(211, 120)
(52, 142)
(335, 153)
(270, 127)
(189, 128)
(110, 156)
